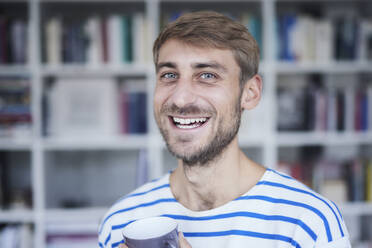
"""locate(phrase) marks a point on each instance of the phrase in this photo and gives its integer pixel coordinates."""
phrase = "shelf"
(105, 143)
(88, 1)
(79, 215)
(14, 70)
(80, 70)
(332, 67)
(356, 208)
(212, 1)
(12, 216)
(323, 138)
(15, 144)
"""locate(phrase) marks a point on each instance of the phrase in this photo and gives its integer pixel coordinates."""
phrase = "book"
(302, 40)
(4, 40)
(94, 36)
(133, 107)
(104, 40)
(365, 40)
(115, 40)
(82, 107)
(15, 107)
(346, 34)
(369, 106)
(127, 36)
(368, 171)
(291, 103)
(355, 176)
(139, 33)
(324, 33)
(19, 41)
(53, 41)
(287, 24)
(74, 41)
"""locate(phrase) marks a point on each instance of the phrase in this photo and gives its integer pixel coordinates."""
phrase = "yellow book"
(369, 181)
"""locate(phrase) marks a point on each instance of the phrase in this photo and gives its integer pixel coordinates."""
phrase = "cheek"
(158, 99)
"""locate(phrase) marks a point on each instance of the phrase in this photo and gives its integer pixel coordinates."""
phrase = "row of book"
(310, 104)
(16, 236)
(13, 40)
(94, 106)
(15, 189)
(345, 181)
(98, 40)
(71, 235)
(15, 108)
(342, 37)
(133, 108)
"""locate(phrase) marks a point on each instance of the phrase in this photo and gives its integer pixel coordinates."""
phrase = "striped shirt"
(278, 211)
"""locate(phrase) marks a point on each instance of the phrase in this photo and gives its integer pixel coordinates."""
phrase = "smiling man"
(206, 66)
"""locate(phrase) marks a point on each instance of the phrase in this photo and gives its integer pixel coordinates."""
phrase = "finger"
(123, 246)
(183, 242)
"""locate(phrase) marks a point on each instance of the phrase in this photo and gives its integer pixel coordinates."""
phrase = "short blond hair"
(212, 29)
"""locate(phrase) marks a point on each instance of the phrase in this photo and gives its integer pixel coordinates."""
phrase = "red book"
(357, 111)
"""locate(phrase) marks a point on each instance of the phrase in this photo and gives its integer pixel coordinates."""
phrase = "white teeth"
(187, 127)
(182, 121)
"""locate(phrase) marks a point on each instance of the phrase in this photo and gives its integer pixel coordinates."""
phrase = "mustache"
(173, 109)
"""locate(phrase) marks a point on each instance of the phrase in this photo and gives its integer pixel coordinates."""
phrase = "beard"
(227, 129)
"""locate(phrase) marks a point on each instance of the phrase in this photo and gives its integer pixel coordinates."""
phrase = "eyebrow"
(212, 64)
(165, 64)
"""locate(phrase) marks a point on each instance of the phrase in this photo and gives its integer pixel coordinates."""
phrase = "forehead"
(182, 53)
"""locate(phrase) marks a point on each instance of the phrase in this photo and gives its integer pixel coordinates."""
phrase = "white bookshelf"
(267, 140)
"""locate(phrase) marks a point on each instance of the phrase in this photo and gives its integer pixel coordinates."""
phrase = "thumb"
(123, 246)
(183, 242)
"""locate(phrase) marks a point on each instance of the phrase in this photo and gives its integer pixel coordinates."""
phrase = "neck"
(207, 186)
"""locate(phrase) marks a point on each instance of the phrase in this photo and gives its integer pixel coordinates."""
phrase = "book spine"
(115, 40)
(104, 40)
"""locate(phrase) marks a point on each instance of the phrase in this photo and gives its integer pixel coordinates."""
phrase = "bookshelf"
(86, 174)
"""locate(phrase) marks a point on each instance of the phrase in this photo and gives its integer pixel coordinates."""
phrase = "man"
(206, 66)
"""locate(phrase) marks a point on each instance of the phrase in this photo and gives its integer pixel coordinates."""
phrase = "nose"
(184, 94)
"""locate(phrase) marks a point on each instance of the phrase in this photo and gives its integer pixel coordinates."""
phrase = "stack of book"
(13, 41)
(349, 181)
(313, 104)
(16, 236)
(305, 38)
(71, 235)
(15, 109)
(98, 40)
(94, 106)
(133, 107)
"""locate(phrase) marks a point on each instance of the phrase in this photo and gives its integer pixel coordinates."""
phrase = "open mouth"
(189, 123)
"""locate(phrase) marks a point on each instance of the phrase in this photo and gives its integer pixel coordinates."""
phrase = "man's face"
(197, 100)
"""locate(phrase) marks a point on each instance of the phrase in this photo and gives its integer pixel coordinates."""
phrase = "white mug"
(153, 232)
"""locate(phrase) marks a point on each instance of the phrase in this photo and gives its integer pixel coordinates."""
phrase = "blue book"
(137, 116)
(287, 24)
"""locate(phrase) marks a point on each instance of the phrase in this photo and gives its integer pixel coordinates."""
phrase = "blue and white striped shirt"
(278, 211)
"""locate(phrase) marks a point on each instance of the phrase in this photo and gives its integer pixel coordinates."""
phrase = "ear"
(252, 92)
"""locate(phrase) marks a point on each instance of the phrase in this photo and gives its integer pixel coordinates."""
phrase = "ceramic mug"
(153, 232)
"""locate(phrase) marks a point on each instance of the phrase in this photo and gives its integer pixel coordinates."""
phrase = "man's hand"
(182, 242)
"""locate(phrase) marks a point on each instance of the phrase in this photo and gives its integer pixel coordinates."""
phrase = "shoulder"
(316, 213)
(126, 209)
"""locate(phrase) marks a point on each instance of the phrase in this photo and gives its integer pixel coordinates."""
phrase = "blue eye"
(169, 75)
(207, 76)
